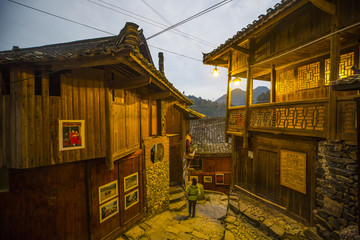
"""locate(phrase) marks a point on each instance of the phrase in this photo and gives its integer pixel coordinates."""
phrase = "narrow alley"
(211, 222)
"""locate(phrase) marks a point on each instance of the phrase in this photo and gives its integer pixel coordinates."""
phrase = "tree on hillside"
(263, 97)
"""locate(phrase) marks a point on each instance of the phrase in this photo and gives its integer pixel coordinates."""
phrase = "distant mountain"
(208, 107)
(238, 96)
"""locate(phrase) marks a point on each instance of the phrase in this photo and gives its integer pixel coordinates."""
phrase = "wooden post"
(234, 170)
(273, 85)
(248, 98)
(109, 123)
(228, 94)
(334, 74)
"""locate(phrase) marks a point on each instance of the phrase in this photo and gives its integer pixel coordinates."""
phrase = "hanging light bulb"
(237, 81)
(215, 72)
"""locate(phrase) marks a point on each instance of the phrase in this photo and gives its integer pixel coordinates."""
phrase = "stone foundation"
(157, 177)
(336, 188)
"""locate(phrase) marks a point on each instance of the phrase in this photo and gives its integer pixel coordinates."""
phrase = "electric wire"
(88, 26)
(150, 21)
(209, 9)
(168, 22)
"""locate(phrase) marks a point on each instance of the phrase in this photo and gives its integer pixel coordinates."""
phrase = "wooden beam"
(130, 83)
(156, 96)
(228, 99)
(242, 49)
(325, 6)
(109, 123)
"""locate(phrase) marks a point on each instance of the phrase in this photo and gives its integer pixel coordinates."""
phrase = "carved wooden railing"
(306, 118)
(300, 117)
(236, 119)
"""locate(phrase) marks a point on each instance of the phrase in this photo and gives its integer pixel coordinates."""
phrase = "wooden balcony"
(302, 118)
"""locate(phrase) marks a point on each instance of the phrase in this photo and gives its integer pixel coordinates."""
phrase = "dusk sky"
(25, 27)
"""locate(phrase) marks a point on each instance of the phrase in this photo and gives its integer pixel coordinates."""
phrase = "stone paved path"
(210, 223)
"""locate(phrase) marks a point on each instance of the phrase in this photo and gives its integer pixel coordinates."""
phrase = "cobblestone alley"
(211, 222)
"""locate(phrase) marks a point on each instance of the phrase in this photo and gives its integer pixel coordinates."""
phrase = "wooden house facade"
(73, 118)
(290, 152)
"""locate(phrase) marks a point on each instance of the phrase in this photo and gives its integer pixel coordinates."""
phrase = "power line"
(168, 22)
(150, 21)
(88, 26)
(209, 9)
(175, 53)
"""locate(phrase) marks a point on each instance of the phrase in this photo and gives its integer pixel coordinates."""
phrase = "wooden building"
(211, 162)
(73, 118)
(295, 151)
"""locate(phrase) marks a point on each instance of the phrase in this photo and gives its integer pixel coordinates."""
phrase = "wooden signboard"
(293, 170)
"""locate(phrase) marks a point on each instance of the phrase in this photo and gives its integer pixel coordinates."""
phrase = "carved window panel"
(308, 76)
(285, 82)
(346, 62)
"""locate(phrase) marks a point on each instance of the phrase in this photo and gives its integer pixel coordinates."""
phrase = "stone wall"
(157, 177)
(336, 188)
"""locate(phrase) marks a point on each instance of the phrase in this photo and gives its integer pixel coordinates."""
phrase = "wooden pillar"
(228, 94)
(109, 122)
(334, 74)
(273, 85)
(248, 102)
(234, 169)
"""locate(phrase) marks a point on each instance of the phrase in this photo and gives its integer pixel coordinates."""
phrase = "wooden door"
(176, 166)
(268, 175)
(130, 192)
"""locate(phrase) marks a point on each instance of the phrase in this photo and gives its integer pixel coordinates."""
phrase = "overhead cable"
(209, 9)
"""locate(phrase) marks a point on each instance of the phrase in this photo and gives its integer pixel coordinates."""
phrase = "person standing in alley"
(192, 193)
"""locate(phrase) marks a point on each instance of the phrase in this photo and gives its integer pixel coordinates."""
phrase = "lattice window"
(308, 76)
(346, 62)
(285, 82)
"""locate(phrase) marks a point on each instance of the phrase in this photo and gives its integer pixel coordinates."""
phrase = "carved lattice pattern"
(308, 76)
(346, 62)
(304, 117)
(237, 118)
(285, 82)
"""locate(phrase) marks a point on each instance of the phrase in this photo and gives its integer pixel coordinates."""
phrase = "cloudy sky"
(25, 27)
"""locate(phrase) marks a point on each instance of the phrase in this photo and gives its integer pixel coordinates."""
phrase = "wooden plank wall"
(31, 122)
(126, 119)
(174, 126)
(298, 28)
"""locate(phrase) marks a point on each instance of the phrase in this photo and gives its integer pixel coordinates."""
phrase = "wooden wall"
(299, 27)
(62, 201)
(176, 127)
(30, 123)
(260, 175)
(211, 166)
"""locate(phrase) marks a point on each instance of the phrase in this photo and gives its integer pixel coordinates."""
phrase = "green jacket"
(192, 192)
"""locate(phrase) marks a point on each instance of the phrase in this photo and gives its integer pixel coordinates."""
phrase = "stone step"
(175, 189)
(177, 206)
(271, 221)
(177, 197)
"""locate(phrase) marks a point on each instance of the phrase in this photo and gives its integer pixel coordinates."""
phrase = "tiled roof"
(209, 135)
(129, 39)
(241, 35)
(349, 83)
